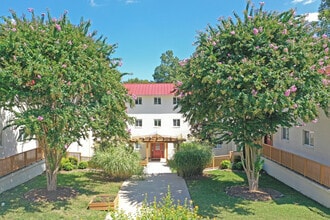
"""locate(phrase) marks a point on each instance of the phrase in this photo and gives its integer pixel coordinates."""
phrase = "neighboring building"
(311, 141)
(11, 140)
(158, 128)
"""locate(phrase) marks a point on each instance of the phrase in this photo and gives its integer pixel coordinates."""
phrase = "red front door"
(157, 150)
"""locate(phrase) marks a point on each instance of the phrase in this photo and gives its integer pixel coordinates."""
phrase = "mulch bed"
(42, 195)
(263, 194)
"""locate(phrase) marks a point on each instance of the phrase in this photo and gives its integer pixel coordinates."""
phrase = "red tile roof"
(150, 88)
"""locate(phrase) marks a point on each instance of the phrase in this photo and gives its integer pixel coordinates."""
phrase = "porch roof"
(157, 138)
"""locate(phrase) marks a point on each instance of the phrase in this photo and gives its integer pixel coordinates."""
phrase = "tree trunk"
(252, 166)
(51, 180)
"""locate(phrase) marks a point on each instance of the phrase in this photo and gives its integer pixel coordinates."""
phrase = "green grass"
(86, 183)
(212, 201)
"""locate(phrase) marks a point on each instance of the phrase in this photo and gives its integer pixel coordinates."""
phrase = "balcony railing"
(18, 161)
(313, 170)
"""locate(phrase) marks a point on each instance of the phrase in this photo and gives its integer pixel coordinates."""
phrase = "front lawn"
(13, 205)
(208, 193)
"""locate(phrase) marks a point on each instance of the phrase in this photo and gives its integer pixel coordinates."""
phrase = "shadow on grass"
(208, 193)
(84, 182)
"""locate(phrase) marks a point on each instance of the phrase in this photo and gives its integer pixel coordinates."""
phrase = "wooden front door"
(157, 150)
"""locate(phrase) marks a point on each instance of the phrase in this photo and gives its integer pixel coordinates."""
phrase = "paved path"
(158, 178)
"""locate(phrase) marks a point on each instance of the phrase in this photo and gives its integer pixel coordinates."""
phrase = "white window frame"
(157, 122)
(138, 123)
(137, 146)
(138, 101)
(308, 138)
(175, 100)
(176, 123)
(285, 133)
(157, 100)
(20, 137)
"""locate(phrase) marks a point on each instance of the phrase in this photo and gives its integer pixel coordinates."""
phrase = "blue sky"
(144, 29)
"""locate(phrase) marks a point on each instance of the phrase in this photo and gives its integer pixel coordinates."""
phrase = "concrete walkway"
(158, 178)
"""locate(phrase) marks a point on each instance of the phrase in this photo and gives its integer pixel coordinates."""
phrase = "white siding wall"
(8, 141)
(319, 152)
(148, 111)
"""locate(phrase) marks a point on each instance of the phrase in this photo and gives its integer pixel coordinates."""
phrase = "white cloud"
(312, 16)
(131, 1)
(92, 3)
(304, 2)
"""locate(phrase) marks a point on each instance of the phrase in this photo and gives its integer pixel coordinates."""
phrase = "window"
(137, 146)
(176, 122)
(175, 100)
(285, 133)
(157, 123)
(20, 137)
(308, 138)
(157, 101)
(138, 123)
(218, 145)
(138, 101)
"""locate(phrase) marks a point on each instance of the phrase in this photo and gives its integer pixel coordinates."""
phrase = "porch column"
(166, 151)
(147, 151)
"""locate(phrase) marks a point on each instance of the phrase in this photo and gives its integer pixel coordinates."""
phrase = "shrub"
(64, 160)
(73, 161)
(83, 165)
(166, 208)
(191, 159)
(67, 166)
(237, 166)
(117, 161)
(225, 164)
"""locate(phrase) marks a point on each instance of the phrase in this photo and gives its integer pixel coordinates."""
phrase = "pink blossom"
(325, 82)
(70, 42)
(218, 81)
(291, 74)
(285, 32)
(134, 97)
(54, 19)
(312, 67)
(232, 32)
(58, 27)
(40, 118)
(321, 63)
(315, 120)
(324, 36)
(30, 10)
(249, 17)
(326, 50)
(325, 45)
(295, 105)
(69, 83)
(293, 88)
(257, 47)
(254, 92)
(85, 46)
(285, 50)
(214, 43)
(261, 3)
(13, 29)
(219, 63)
(64, 66)
(66, 146)
(228, 54)
(261, 29)
(39, 76)
(15, 58)
(179, 83)
(287, 92)
(230, 78)
(255, 31)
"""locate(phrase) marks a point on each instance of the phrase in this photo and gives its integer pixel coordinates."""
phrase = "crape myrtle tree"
(60, 83)
(250, 76)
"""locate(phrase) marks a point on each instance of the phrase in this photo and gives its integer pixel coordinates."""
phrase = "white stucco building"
(158, 128)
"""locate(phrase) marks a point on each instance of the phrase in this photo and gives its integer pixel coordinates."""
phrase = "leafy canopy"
(59, 81)
(250, 76)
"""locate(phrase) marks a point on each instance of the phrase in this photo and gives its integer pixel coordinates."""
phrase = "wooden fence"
(78, 156)
(216, 161)
(18, 161)
(311, 169)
